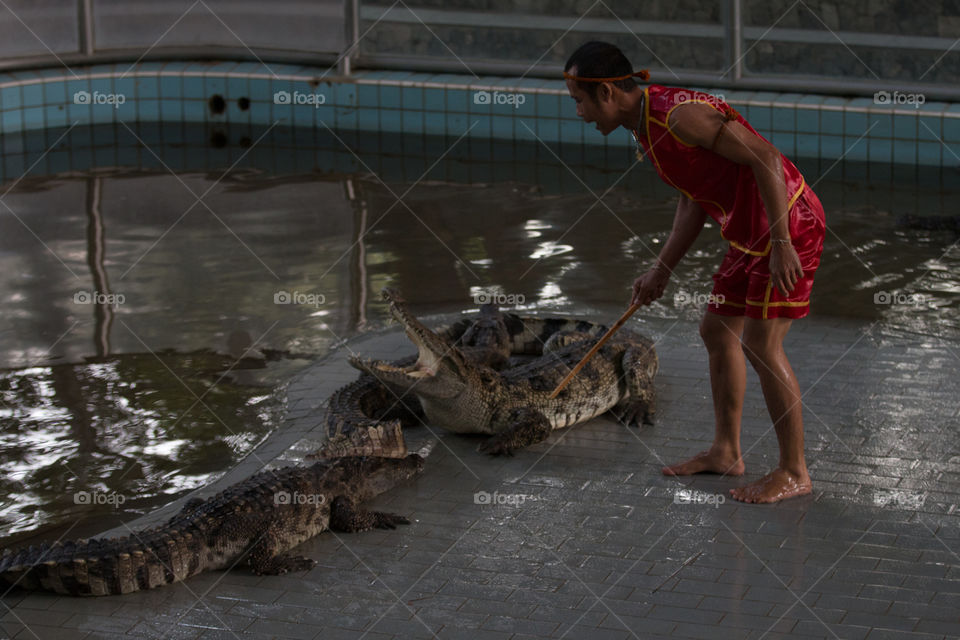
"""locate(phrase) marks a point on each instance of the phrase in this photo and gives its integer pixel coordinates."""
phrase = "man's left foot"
(777, 485)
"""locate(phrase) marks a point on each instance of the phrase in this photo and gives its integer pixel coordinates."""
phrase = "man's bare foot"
(727, 464)
(777, 485)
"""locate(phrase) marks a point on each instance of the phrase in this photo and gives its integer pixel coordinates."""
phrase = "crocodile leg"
(639, 405)
(527, 426)
(348, 518)
(264, 558)
(637, 412)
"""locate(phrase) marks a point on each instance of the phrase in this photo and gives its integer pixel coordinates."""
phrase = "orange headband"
(643, 74)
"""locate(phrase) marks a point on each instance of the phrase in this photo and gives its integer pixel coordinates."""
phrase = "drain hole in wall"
(217, 103)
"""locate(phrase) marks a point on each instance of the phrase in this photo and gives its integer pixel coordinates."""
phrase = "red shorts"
(742, 284)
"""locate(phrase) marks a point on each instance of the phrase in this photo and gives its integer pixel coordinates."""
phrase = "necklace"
(636, 137)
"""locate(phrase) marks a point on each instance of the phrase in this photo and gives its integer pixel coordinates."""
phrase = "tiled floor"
(582, 537)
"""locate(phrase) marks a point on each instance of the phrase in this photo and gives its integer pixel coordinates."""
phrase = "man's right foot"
(708, 462)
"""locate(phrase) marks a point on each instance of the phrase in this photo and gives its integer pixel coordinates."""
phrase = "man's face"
(602, 111)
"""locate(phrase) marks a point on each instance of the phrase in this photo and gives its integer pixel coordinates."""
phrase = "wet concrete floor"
(582, 537)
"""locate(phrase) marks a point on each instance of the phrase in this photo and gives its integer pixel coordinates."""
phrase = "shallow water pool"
(152, 316)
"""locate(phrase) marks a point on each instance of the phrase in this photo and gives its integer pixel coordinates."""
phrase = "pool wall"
(443, 105)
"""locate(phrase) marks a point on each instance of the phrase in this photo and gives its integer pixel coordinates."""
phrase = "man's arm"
(701, 124)
(687, 223)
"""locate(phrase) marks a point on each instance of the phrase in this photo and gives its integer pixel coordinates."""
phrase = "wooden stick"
(612, 330)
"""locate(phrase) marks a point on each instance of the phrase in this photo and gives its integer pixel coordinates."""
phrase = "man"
(773, 222)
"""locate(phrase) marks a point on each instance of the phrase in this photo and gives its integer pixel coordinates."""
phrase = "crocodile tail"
(365, 418)
(529, 335)
(348, 406)
(101, 567)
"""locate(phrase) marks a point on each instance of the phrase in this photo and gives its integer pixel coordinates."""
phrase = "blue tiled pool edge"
(532, 109)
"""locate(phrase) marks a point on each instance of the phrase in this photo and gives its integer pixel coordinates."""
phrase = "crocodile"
(257, 520)
(514, 406)
(367, 417)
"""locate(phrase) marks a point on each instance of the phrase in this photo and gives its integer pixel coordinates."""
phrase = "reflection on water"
(148, 268)
(106, 269)
(569, 252)
(114, 437)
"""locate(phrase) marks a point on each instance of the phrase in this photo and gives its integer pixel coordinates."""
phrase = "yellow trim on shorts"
(766, 304)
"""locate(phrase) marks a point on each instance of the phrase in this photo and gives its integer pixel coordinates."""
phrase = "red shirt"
(727, 191)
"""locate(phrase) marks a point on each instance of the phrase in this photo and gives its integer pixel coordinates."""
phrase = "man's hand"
(785, 267)
(649, 286)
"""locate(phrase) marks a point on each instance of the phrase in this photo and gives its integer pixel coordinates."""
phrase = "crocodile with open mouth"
(367, 416)
(514, 406)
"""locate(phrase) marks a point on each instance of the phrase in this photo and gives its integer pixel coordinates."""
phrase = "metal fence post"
(351, 15)
(85, 26)
(736, 41)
